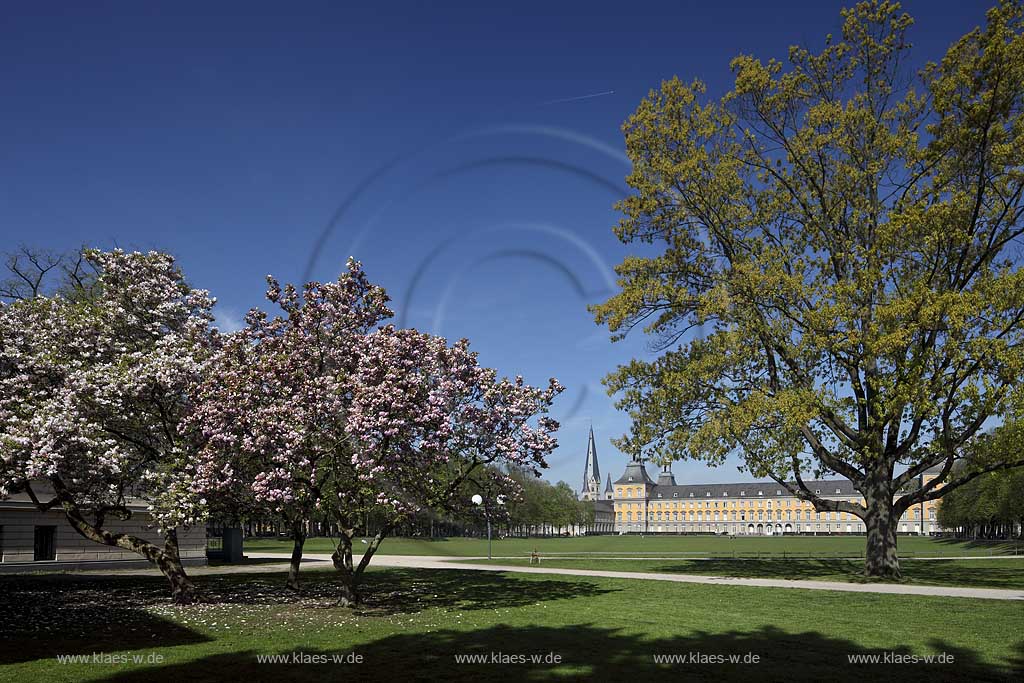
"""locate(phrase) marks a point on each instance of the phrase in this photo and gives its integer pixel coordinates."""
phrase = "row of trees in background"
(545, 509)
(534, 507)
(115, 384)
(992, 505)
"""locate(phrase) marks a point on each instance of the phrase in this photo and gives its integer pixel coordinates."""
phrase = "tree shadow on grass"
(284, 559)
(589, 652)
(412, 590)
(995, 545)
(940, 572)
(42, 616)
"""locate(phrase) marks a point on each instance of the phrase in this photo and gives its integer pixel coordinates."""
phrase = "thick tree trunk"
(183, 591)
(352, 575)
(167, 559)
(342, 558)
(881, 560)
(299, 539)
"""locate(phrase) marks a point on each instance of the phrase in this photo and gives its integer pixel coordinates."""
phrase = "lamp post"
(480, 500)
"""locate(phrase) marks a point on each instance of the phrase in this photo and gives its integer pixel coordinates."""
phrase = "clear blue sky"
(432, 143)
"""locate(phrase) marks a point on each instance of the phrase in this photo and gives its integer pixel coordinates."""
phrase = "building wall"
(637, 510)
(17, 539)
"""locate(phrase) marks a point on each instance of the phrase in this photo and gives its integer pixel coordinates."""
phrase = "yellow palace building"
(763, 508)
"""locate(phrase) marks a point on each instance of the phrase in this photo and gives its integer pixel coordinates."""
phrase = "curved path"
(447, 562)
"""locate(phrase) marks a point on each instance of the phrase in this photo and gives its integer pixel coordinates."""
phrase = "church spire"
(591, 471)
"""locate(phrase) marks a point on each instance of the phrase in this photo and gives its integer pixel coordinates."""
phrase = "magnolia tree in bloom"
(425, 417)
(93, 387)
(271, 412)
(319, 411)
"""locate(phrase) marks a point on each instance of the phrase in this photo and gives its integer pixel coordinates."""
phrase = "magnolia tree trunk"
(166, 558)
(880, 559)
(183, 591)
(351, 573)
(299, 538)
(348, 594)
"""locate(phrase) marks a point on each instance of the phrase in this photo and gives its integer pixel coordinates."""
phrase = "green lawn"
(416, 621)
(705, 546)
(997, 573)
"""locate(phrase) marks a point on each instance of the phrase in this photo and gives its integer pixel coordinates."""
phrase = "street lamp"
(479, 500)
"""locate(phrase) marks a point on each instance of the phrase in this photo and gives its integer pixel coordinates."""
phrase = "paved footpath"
(435, 562)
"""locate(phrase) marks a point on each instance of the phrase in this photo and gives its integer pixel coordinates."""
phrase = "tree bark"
(352, 575)
(299, 539)
(342, 558)
(167, 559)
(881, 560)
(183, 591)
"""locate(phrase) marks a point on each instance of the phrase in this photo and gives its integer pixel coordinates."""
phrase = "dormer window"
(659, 495)
(709, 494)
(725, 494)
(817, 492)
(778, 492)
(743, 493)
(839, 490)
(675, 495)
(760, 493)
(691, 495)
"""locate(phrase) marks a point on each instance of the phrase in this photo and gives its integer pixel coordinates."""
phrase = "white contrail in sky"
(580, 97)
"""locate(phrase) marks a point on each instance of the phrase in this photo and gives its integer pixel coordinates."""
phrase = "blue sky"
(427, 141)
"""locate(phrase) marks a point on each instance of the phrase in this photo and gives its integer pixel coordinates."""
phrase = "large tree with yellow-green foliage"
(837, 288)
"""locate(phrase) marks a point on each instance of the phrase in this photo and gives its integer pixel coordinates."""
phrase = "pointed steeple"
(591, 471)
(608, 486)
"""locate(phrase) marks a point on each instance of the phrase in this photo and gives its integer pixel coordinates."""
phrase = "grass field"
(980, 573)
(703, 546)
(415, 622)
